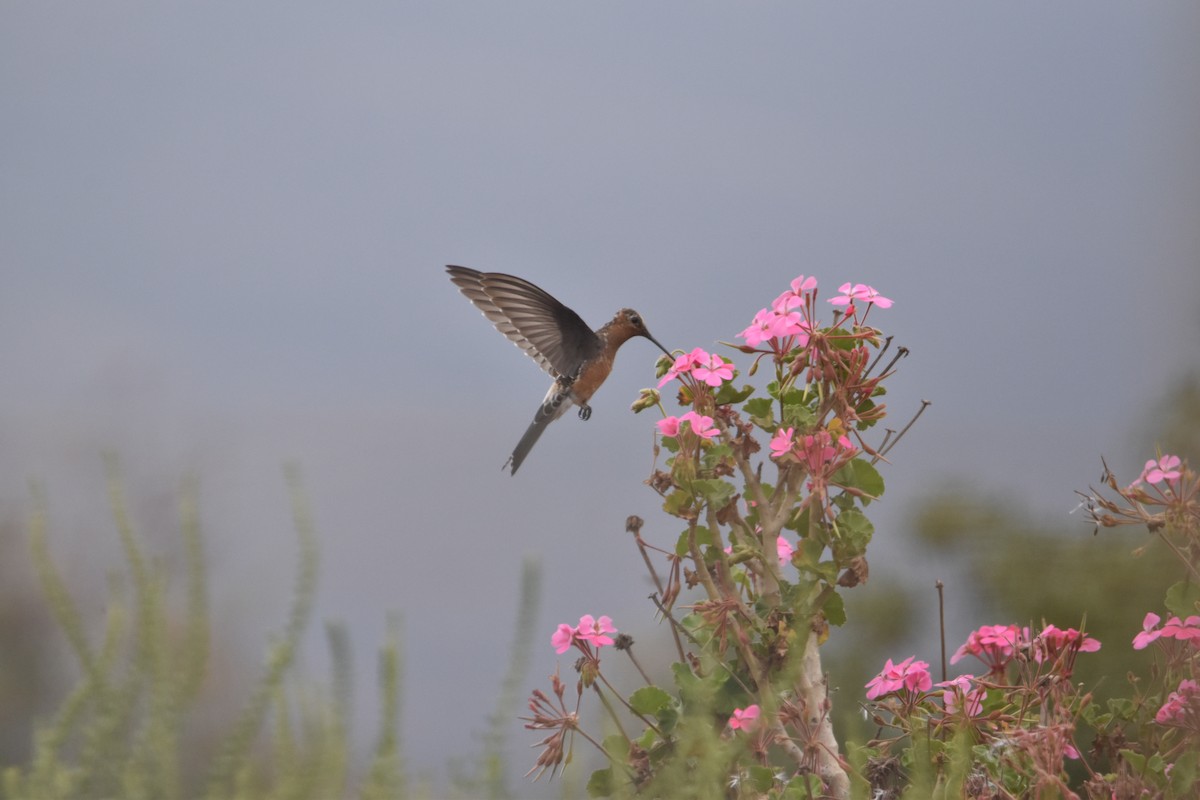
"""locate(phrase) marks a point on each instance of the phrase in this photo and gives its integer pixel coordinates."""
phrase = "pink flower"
(1164, 469)
(713, 371)
(701, 425)
(994, 645)
(596, 630)
(794, 298)
(685, 363)
(1181, 704)
(562, 638)
(669, 426)
(781, 443)
(1183, 631)
(793, 324)
(744, 718)
(1148, 634)
(681, 365)
(908, 674)
(959, 689)
(761, 329)
(1052, 641)
(818, 450)
(784, 550)
(859, 291)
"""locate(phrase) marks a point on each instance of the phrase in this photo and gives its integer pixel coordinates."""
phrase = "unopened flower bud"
(647, 398)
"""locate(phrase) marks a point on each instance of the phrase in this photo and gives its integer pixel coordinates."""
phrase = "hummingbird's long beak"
(660, 347)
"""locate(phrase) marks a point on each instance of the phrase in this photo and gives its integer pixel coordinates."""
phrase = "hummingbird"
(576, 357)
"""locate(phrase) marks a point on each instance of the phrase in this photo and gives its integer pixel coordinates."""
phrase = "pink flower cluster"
(908, 674)
(708, 368)
(957, 691)
(1053, 641)
(700, 424)
(1182, 707)
(815, 450)
(589, 632)
(782, 319)
(1187, 630)
(994, 645)
(744, 718)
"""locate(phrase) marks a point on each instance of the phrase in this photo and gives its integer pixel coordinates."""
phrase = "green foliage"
(120, 731)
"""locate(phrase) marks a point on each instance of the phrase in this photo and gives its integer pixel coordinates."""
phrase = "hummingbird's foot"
(585, 412)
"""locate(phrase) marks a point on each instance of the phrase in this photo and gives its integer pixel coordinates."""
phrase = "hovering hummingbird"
(578, 358)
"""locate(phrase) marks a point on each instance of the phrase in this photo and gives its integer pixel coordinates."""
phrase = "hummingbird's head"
(630, 323)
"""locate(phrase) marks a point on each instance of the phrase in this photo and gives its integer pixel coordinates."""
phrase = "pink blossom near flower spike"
(744, 718)
(781, 442)
(1165, 468)
(1052, 641)
(1182, 630)
(908, 674)
(959, 691)
(859, 291)
(760, 329)
(784, 549)
(562, 638)
(669, 426)
(1180, 703)
(994, 645)
(595, 630)
(1149, 633)
(700, 424)
(714, 370)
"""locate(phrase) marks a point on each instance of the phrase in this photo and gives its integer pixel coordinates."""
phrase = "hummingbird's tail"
(553, 407)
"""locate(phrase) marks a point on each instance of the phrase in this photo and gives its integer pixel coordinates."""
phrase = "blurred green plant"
(120, 731)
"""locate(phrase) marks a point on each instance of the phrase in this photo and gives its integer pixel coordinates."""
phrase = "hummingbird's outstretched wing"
(550, 333)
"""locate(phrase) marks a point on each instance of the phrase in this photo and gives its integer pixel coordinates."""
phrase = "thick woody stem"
(813, 694)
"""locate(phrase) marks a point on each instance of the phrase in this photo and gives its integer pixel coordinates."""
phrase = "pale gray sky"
(223, 225)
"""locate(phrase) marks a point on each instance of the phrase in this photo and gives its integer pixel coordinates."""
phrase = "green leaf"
(809, 553)
(716, 492)
(798, 416)
(835, 609)
(601, 783)
(796, 397)
(727, 395)
(1183, 774)
(860, 474)
(761, 778)
(761, 410)
(716, 454)
(677, 502)
(855, 531)
(1183, 598)
(649, 699)
(799, 523)
(1122, 707)
(615, 745)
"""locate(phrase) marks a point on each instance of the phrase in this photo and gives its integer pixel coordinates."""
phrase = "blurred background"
(222, 235)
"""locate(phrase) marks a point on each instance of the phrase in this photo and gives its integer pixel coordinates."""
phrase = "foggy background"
(223, 228)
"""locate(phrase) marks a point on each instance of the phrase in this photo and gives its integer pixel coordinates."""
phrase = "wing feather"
(550, 333)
